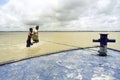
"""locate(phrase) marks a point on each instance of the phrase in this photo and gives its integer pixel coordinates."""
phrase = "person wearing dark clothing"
(29, 38)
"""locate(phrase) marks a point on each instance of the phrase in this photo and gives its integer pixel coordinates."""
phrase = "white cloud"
(61, 14)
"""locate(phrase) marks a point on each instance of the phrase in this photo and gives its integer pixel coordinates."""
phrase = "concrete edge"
(114, 49)
(47, 54)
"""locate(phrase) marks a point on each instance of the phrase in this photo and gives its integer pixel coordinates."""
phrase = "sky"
(60, 15)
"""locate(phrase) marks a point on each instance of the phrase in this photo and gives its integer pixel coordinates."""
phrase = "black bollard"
(103, 44)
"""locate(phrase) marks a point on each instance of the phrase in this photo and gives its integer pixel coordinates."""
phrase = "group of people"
(33, 35)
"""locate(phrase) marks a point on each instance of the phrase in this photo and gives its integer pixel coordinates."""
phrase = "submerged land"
(13, 44)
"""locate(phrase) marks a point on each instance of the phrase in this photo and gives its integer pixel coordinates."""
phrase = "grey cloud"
(70, 10)
(108, 8)
(69, 15)
(62, 17)
(31, 22)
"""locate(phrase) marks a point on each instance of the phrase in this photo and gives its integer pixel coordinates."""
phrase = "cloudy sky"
(60, 15)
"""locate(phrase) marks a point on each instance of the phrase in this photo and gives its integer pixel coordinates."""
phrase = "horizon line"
(63, 31)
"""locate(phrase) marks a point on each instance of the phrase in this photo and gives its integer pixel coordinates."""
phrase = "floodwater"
(13, 44)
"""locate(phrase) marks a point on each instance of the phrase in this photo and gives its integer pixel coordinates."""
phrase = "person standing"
(29, 38)
(35, 34)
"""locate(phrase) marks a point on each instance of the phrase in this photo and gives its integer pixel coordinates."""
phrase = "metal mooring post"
(103, 44)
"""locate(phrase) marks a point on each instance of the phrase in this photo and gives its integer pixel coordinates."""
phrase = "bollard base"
(102, 53)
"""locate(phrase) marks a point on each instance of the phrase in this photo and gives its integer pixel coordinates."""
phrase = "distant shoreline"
(62, 31)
